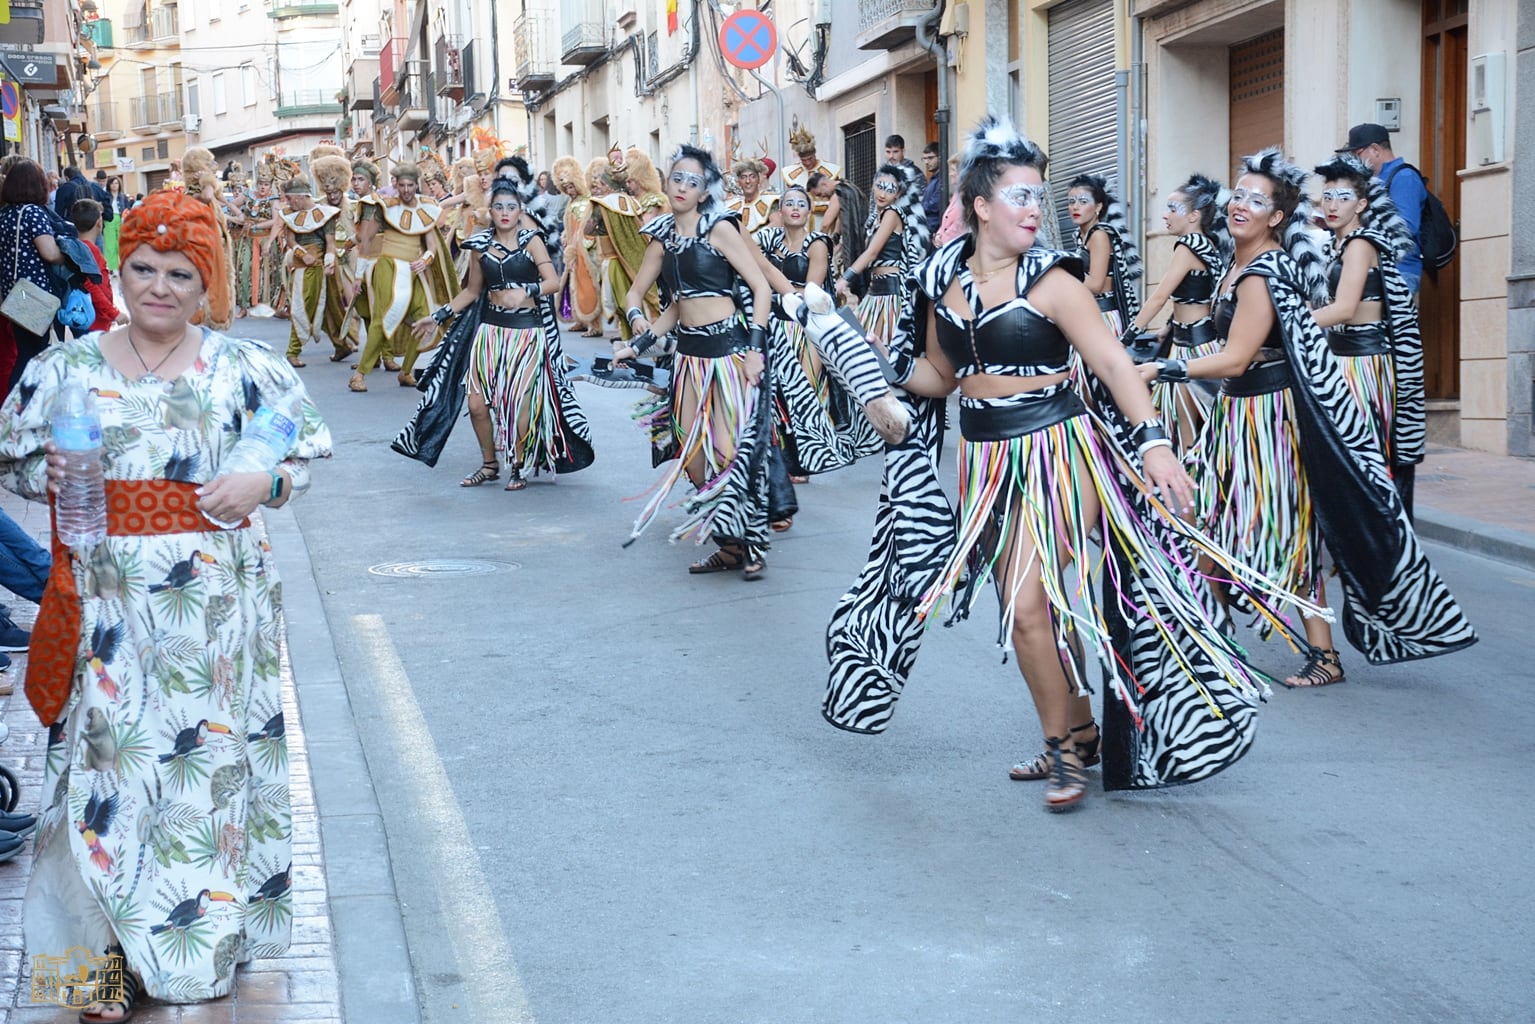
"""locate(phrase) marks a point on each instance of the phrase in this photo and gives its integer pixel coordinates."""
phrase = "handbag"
(27, 305)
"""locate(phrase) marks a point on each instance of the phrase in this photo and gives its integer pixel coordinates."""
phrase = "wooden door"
(1443, 150)
(1256, 118)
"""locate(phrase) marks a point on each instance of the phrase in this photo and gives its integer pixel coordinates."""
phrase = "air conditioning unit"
(191, 123)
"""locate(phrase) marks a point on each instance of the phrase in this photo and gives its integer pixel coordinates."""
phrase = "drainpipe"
(929, 40)
(1135, 187)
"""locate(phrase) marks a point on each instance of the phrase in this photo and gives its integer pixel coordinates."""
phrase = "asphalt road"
(610, 796)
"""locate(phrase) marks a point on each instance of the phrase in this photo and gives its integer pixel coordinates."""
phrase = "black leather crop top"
(893, 251)
(504, 268)
(1374, 286)
(1196, 288)
(691, 268)
(1012, 339)
(1225, 310)
(793, 265)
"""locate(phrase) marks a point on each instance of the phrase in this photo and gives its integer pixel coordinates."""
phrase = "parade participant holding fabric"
(998, 317)
(411, 273)
(897, 241)
(1287, 460)
(505, 353)
(1194, 217)
(720, 403)
(1371, 320)
(1106, 249)
(156, 659)
(309, 236)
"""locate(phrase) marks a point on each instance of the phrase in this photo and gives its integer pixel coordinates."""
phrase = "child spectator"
(86, 215)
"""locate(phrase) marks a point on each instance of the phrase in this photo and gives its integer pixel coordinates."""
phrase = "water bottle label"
(77, 437)
(270, 422)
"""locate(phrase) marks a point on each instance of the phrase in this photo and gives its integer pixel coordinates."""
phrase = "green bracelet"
(276, 487)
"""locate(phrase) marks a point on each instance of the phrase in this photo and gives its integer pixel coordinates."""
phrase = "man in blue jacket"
(74, 186)
(1372, 144)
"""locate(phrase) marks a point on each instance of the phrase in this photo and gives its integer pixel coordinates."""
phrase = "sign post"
(10, 110)
(748, 40)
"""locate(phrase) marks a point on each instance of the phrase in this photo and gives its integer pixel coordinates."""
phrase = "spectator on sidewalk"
(86, 217)
(932, 193)
(24, 568)
(1372, 144)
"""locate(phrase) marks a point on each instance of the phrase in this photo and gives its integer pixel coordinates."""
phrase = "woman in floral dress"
(166, 830)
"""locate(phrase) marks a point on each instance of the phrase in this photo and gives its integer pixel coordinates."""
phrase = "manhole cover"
(441, 567)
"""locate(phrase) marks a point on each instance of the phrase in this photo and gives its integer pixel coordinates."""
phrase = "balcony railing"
(471, 79)
(535, 59)
(149, 111)
(583, 43)
(165, 24)
(304, 102)
(105, 118)
(885, 24)
(100, 33)
(413, 113)
(135, 29)
(278, 9)
(448, 68)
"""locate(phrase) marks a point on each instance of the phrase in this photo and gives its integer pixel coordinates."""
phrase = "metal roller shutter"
(1084, 129)
(1257, 95)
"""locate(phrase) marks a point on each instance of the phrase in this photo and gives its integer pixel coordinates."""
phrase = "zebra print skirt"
(1369, 371)
(1184, 406)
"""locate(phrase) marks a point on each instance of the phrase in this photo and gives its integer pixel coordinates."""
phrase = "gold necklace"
(987, 275)
(150, 375)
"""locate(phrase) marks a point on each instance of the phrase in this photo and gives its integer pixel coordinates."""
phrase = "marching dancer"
(754, 206)
(505, 353)
(583, 291)
(1106, 249)
(1192, 215)
(1287, 461)
(309, 235)
(1039, 475)
(1371, 320)
(718, 299)
(897, 242)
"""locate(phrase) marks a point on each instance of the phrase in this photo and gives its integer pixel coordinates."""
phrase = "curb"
(373, 968)
(1499, 542)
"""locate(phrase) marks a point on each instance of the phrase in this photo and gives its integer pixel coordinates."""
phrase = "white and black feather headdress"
(712, 207)
(995, 138)
(1299, 239)
(1380, 214)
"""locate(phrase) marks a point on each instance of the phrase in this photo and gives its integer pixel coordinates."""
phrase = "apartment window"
(194, 106)
(163, 149)
(248, 84)
(219, 106)
(147, 154)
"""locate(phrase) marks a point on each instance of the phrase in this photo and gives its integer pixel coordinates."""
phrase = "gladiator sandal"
(1039, 767)
(515, 482)
(1318, 670)
(118, 1005)
(1067, 786)
(489, 470)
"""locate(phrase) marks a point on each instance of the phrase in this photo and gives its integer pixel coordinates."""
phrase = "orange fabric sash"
(135, 508)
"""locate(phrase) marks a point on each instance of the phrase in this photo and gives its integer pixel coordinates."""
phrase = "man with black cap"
(1372, 144)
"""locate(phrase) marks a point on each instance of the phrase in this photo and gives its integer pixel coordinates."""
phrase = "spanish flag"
(671, 16)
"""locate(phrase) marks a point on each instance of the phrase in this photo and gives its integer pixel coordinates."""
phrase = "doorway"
(1442, 149)
(1256, 109)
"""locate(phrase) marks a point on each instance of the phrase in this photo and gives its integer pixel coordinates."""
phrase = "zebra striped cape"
(1397, 608)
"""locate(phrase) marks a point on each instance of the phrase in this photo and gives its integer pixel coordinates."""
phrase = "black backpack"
(1436, 232)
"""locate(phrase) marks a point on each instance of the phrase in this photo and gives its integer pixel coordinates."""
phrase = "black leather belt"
(716, 341)
(885, 284)
(515, 319)
(1259, 380)
(1359, 340)
(1200, 332)
(1107, 303)
(1005, 422)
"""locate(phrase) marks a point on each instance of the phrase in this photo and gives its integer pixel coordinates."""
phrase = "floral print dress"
(166, 824)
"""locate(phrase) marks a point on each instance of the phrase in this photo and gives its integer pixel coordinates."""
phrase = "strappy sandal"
(340, 354)
(755, 565)
(780, 525)
(489, 470)
(357, 383)
(1067, 787)
(1039, 767)
(406, 379)
(721, 560)
(295, 361)
(125, 999)
(516, 482)
(392, 365)
(1317, 671)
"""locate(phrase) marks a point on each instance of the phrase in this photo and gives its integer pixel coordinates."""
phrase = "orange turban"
(171, 221)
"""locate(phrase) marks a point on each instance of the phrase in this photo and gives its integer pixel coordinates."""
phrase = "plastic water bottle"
(81, 504)
(265, 441)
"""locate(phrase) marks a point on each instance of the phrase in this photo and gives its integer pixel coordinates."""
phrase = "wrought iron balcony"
(448, 68)
(411, 85)
(106, 121)
(531, 34)
(306, 102)
(584, 43)
(884, 24)
(147, 112)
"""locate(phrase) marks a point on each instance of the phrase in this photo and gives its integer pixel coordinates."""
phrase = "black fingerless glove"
(643, 342)
(757, 338)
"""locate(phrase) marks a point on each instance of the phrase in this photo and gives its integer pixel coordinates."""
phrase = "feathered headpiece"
(1115, 220)
(711, 207)
(800, 139)
(749, 166)
(1380, 213)
(567, 169)
(908, 206)
(405, 172)
(995, 138)
(1297, 236)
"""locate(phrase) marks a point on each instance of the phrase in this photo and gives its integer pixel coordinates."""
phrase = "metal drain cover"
(441, 568)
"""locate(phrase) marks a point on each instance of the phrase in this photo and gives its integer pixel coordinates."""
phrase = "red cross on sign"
(748, 39)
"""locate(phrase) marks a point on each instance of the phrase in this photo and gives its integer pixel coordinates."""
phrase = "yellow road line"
(489, 973)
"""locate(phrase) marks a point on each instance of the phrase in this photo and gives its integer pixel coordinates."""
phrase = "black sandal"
(754, 566)
(489, 470)
(515, 482)
(721, 560)
(127, 997)
(1068, 782)
(1317, 671)
(1039, 767)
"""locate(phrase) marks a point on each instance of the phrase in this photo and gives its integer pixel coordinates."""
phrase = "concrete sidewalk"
(1478, 502)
